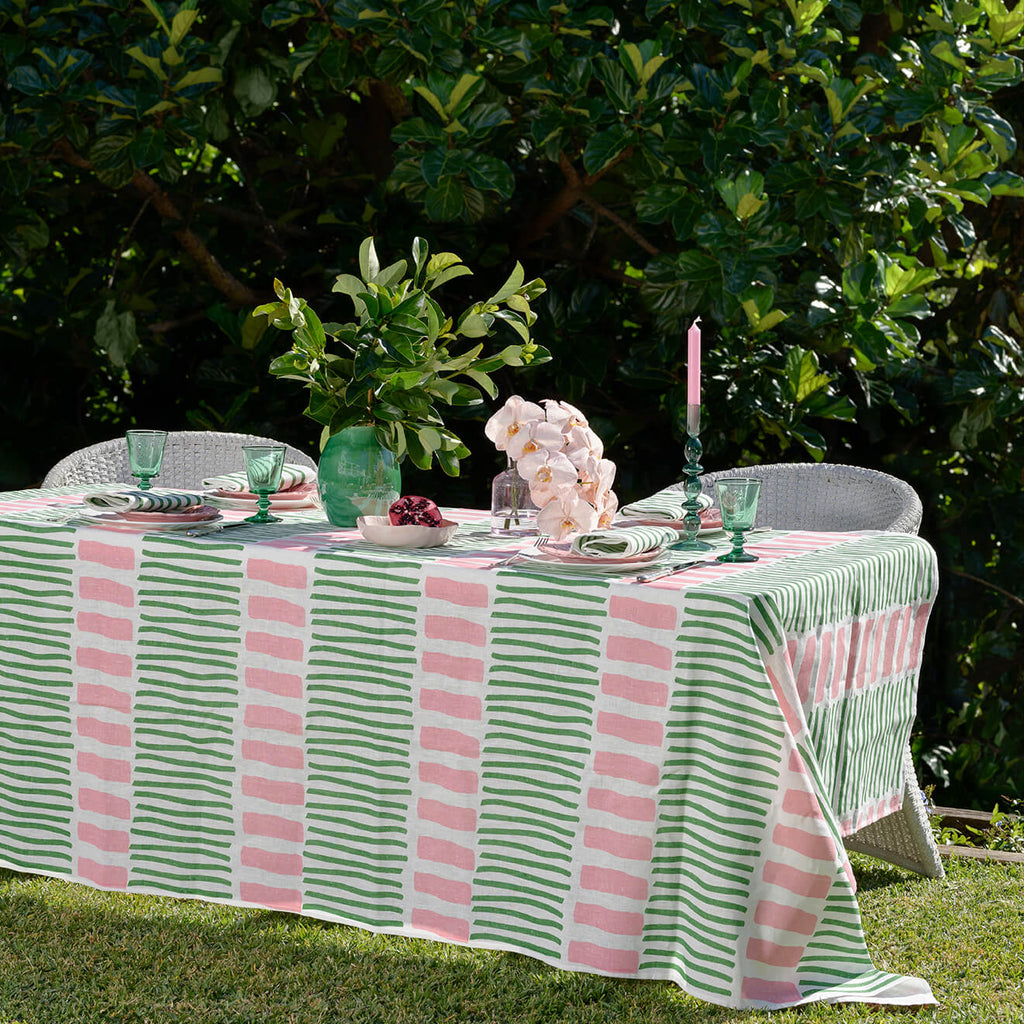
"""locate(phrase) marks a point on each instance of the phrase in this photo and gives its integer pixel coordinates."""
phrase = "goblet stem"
(263, 509)
(737, 554)
(144, 484)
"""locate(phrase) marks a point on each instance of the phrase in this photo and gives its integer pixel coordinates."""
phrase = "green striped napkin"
(665, 504)
(292, 475)
(142, 501)
(632, 540)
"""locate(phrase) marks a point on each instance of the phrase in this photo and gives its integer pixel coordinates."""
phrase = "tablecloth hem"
(412, 932)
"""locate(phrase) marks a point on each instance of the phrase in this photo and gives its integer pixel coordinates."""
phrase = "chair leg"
(904, 837)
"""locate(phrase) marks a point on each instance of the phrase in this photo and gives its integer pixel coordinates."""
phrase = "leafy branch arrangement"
(395, 365)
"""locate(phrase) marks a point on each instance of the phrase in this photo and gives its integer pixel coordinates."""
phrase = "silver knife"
(199, 530)
(670, 570)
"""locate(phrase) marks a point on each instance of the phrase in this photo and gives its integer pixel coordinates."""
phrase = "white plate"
(579, 563)
(380, 530)
(112, 521)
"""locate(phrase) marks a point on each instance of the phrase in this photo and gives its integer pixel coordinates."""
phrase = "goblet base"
(261, 518)
(691, 545)
(738, 556)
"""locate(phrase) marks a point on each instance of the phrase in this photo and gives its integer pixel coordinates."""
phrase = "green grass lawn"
(69, 953)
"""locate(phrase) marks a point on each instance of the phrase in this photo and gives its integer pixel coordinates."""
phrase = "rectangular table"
(646, 781)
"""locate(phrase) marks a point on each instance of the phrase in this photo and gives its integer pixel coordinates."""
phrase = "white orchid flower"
(607, 509)
(563, 414)
(511, 420)
(567, 514)
(581, 444)
(547, 473)
(534, 436)
(596, 479)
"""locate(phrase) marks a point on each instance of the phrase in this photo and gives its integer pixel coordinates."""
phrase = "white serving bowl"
(379, 530)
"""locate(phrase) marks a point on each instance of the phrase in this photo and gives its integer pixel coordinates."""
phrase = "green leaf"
(147, 148)
(446, 390)
(181, 23)
(115, 334)
(512, 284)
(254, 90)
(802, 373)
(449, 274)
(460, 91)
(491, 174)
(390, 275)
(445, 201)
(606, 146)
(434, 102)
(1003, 26)
(997, 130)
(483, 382)
(473, 325)
(398, 347)
(449, 462)
(15, 176)
(154, 8)
(198, 77)
(418, 455)
(154, 64)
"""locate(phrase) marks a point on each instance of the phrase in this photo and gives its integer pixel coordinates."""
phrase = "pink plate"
(302, 491)
(192, 514)
(708, 524)
(555, 554)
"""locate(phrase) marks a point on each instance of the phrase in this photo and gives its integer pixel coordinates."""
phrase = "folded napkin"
(142, 501)
(665, 504)
(632, 540)
(292, 476)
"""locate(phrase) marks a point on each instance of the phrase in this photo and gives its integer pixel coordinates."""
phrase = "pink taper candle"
(693, 364)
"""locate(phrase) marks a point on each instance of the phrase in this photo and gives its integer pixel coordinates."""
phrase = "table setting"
(551, 726)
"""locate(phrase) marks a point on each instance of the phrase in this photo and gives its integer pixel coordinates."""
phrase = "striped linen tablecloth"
(636, 780)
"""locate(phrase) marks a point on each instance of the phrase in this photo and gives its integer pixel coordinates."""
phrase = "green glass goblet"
(737, 498)
(145, 454)
(263, 465)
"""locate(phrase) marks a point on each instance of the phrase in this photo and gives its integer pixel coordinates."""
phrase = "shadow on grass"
(73, 955)
(874, 874)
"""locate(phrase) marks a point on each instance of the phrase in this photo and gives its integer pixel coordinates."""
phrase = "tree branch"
(221, 279)
(573, 191)
(623, 226)
(986, 583)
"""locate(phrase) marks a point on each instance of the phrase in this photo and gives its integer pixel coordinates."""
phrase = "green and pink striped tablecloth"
(644, 781)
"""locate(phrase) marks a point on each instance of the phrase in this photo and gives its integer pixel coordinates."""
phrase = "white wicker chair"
(189, 457)
(826, 496)
(823, 496)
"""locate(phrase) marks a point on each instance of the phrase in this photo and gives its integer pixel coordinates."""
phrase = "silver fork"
(541, 542)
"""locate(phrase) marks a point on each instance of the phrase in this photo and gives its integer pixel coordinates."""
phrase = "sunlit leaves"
(400, 357)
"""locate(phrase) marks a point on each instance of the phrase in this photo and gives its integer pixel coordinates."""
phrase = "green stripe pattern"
(721, 775)
(186, 702)
(36, 748)
(359, 727)
(539, 714)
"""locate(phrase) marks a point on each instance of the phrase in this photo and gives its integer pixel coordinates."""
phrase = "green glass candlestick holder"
(693, 450)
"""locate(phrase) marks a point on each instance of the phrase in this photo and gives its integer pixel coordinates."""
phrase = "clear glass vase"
(513, 513)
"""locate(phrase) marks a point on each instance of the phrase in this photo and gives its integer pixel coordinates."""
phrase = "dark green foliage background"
(831, 187)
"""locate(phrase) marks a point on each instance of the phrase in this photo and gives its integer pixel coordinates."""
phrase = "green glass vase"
(356, 476)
